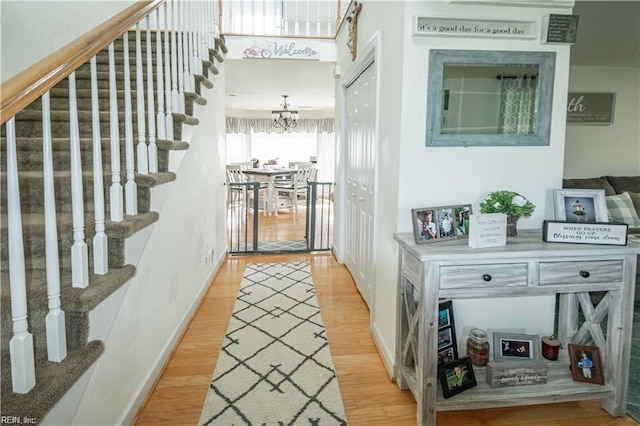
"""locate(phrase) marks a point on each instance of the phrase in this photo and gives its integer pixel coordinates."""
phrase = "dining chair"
(298, 186)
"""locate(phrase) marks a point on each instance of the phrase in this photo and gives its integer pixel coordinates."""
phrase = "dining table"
(271, 196)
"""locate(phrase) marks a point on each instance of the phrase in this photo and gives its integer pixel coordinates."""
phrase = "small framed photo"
(433, 224)
(456, 376)
(585, 364)
(580, 205)
(514, 347)
(447, 343)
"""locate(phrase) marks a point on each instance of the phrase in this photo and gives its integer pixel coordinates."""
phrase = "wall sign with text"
(590, 108)
(280, 49)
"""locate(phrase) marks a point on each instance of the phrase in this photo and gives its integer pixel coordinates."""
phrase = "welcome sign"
(280, 49)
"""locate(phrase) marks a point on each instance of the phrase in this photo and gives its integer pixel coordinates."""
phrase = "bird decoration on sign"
(352, 19)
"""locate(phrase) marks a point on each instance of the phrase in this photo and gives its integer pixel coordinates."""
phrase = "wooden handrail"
(19, 91)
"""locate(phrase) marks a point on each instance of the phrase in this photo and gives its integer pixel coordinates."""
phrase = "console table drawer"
(498, 275)
(580, 272)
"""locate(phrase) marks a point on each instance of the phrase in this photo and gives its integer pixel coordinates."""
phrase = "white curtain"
(518, 105)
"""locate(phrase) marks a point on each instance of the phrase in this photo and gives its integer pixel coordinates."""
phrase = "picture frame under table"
(580, 205)
(456, 376)
(515, 347)
(447, 343)
(585, 364)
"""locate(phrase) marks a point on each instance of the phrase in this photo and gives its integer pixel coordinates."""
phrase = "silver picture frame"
(515, 347)
(580, 205)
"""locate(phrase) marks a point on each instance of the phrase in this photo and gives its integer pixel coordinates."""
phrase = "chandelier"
(285, 119)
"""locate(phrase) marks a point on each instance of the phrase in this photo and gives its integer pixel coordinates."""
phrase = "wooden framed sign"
(585, 233)
(590, 108)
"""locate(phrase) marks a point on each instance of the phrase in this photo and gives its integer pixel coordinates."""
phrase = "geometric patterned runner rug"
(275, 366)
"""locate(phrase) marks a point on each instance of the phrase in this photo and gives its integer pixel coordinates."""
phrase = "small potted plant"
(510, 203)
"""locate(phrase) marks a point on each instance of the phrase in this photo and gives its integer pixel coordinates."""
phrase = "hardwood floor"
(370, 397)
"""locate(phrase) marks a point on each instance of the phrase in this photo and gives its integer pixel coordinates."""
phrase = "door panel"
(360, 161)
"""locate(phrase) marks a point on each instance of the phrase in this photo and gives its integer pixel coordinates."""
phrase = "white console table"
(526, 266)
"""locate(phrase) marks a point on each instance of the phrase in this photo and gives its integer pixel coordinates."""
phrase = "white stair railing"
(79, 249)
(152, 149)
(100, 240)
(167, 74)
(55, 318)
(116, 191)
(161, 121)
(195, 26)
(142, 157)
(130, 187)
(180, 70)
(308, 18)
(23, 372)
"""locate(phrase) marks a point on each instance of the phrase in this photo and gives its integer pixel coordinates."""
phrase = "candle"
(550, 347)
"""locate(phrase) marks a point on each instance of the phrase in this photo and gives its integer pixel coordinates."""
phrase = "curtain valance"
(265, 125)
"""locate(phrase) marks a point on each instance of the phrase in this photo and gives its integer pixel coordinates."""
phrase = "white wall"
(25, 28)
(410, 175)
(171, 275)
(599, 150)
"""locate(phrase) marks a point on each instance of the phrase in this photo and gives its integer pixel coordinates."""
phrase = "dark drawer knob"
(486, 277)
(584, 274)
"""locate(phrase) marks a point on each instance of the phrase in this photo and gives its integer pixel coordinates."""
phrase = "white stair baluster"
(180, 56)
(79, 249)
(175, 95)
(55, 318)
(193, 56)
(296, 25)
(160, 116)
(187, 63)
(167, 74)
(307, 25)
(130, 187)
(152, 148)
(100, 241)
(141, 148)
(318, 30)
(23, 373)
(116, 196)
(329, 20)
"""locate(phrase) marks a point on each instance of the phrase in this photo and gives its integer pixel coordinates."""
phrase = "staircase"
(54, 379)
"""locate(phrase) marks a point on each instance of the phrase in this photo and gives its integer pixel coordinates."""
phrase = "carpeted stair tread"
(33, 224)
(73, 299)
(53, 380)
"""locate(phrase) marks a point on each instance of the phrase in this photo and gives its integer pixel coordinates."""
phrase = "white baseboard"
(386, 355)
(154, 373)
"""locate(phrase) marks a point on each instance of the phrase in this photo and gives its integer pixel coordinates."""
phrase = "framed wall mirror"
(489, 98)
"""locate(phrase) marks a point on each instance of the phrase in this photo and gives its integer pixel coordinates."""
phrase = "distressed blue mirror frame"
(438, 58)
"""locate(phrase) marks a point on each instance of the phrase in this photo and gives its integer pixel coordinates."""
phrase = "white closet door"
(360, 160)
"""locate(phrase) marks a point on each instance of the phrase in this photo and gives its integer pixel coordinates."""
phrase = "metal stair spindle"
(152, 149)
(141, 148)
(116, 196)
(55, 318)
(130, 187)
(79, 249)
(23, 373)
(100, 240)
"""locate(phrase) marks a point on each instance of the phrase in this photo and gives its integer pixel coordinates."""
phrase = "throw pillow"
(620, 208)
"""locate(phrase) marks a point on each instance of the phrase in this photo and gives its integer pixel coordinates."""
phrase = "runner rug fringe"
(275, 366)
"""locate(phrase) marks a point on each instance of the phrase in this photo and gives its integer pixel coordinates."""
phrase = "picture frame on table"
(456, 376)
(515, 347)
(580, 205)
(447, 342)
(443, 223)
(586, 365)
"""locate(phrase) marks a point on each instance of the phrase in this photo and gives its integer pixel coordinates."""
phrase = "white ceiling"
(608, 35)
